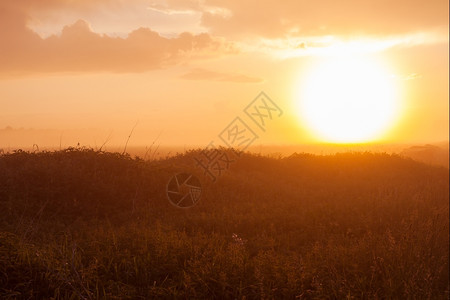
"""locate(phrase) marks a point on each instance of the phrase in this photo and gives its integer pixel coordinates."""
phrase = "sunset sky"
(181, 71)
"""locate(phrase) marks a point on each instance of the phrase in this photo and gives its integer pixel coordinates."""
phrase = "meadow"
(85, 224)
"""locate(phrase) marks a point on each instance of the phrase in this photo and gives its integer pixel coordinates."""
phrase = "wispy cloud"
(337, 46)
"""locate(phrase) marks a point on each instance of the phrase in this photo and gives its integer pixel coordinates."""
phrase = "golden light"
(348, 100)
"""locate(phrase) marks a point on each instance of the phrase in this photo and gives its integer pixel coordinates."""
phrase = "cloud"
(274, 19)
(79, 49)
(202, 74)
(294, 28)
(248, 23)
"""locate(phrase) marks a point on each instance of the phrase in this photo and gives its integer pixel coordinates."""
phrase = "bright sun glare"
(348, 100)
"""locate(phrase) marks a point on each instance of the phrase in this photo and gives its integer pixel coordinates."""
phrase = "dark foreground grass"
(82, 224)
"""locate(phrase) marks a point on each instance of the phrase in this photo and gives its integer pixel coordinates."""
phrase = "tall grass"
(82, 224)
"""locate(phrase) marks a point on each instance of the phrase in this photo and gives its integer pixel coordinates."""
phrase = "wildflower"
(238, 240)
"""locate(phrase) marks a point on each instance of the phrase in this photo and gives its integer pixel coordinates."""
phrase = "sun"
(348, 100)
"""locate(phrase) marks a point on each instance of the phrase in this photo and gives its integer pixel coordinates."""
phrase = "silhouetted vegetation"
(84, 224)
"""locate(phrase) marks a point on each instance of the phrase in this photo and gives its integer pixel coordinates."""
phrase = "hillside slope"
(91, 225)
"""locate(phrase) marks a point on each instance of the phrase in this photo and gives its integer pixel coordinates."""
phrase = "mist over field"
(435, 153)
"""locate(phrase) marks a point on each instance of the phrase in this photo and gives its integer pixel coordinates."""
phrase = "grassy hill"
(83, 224)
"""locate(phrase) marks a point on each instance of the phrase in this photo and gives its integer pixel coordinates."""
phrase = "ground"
(84, 224)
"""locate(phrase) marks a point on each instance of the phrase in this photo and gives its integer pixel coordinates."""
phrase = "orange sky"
(183, 70)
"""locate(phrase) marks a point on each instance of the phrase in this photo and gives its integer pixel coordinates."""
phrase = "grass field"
(81, 224)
